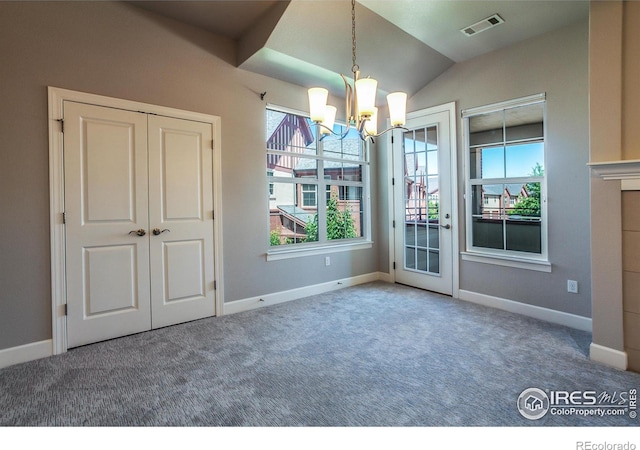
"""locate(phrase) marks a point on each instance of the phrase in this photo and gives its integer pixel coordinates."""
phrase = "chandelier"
(360, 109)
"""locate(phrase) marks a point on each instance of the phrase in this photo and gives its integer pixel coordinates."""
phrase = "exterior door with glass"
(423, 211)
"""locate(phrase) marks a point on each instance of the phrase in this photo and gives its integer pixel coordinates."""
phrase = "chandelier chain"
(354, 67)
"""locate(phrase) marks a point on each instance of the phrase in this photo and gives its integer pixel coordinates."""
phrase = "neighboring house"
(285, 132)
(498, 199)
(291, 209)
(290, 221)
(422, 190)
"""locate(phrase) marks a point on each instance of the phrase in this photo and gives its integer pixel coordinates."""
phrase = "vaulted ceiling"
(404, 44)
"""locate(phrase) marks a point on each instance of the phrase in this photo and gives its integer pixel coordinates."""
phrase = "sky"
(518, 161)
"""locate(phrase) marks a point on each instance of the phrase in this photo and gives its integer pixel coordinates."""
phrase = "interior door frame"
(449, 108)
(56, 99)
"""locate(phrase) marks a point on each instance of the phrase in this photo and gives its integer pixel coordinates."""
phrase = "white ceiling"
(404, 44)
(437, 23)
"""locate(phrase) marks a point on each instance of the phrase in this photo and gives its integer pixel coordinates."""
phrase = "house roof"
(498, 189)
(348, 149)
(298, 215)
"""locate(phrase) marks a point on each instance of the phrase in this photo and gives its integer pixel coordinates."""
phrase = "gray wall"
(556, 63)
(115, 50)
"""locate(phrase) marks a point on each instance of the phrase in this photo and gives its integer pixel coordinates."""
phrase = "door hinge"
(61, 125)
(394, 224)
(64, 218)
(394, 265)
(215, 285)
(65, 310)
(393, 181)
(392, 138)
(213, 144)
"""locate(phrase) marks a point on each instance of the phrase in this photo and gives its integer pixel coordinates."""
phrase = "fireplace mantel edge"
(627, 171)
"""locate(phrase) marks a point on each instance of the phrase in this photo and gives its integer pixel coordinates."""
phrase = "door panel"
(423, 233)
(181, 208)
(184, 270)
(116, 292)
(105, 159)
(182, 170)
(108, 162)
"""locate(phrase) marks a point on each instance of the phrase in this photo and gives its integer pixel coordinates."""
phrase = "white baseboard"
(386, 277)
(537, 312)
(247, 304)
(25, 353)
(608, 356)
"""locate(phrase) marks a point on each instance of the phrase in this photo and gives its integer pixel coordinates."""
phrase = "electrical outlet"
(327, 261)
(572, 286)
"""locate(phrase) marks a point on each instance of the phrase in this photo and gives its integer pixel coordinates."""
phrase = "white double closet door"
(139, 222)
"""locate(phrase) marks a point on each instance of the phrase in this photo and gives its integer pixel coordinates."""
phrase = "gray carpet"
(378, 354)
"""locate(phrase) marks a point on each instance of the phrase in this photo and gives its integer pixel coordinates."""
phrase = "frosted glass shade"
(371, 125)
(317, 103)
(329, 119)
(397, 108)
(366, 96)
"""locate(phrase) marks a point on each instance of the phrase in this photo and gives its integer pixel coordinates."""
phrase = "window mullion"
(322, 196)
(503, 212)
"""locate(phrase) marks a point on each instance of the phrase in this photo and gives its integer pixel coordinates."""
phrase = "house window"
(269, 175)
(309, 195)
(506, 193)
(299, 166)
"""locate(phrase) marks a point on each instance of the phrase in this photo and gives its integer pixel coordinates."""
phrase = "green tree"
(311, 229)
(434, 209)
(274, 237)
(340, 224)
(529, 206)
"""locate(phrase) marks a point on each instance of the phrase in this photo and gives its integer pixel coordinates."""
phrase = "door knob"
(139, 232)
(157, 231)
(446, 227)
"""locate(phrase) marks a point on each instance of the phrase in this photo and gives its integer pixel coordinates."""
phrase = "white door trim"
(56, 196)
(450, 108)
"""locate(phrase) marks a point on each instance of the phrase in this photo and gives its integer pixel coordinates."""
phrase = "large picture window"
(506, 186)
(300, 166)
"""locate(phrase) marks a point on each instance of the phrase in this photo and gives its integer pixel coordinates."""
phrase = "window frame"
(306, 194)
(509, 258)
(323, 245)
(271, 186)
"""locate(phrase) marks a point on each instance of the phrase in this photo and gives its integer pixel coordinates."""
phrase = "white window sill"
(508, 261)
(286, 253)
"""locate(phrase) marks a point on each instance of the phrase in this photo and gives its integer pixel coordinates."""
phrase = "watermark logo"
(534, 403)
(588, 445)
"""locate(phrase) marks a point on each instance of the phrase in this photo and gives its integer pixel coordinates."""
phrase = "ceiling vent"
(483, 25)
